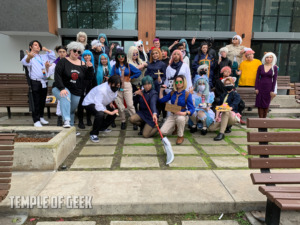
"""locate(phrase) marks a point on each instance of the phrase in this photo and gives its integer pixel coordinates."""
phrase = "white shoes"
(67, 124)
(38, 124)
(43, 121)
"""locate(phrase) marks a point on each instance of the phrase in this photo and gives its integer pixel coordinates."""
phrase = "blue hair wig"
(100, 72)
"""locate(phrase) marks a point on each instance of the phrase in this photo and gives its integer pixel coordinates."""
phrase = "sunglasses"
(135, 54)
(140, 46)
(121, 56)
(178, 82)
(234, 39)
(77, 51)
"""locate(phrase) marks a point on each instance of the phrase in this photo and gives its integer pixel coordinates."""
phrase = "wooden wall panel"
(52, 16)
(242, 19)
(147, 21)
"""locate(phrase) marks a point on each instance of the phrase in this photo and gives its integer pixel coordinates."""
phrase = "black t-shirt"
(68, 75)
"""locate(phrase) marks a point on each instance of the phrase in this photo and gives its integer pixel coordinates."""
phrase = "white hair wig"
(96, 43)
(203, 66)
(75, 45)
(239, 38)
(263, 61)
(82, 34)
(224, 49)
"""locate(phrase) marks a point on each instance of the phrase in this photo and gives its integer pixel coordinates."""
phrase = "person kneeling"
(143, 117)
(227, 113)
(99, 103)
(182, 99)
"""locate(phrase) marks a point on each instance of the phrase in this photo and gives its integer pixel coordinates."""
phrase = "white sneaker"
(67, 124)
(43, 121)
(77, 133)
(38, 124)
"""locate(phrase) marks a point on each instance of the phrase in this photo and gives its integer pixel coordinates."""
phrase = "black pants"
(80, 110)
(102, 120)
(39, 99)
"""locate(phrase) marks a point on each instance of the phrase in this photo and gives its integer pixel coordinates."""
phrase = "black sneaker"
(94, 138)
(193, 129)
(59, 121)
(89, 122)
(228, 130)
(123, 126)
(203, 131)
(135, 127)
(113, 124)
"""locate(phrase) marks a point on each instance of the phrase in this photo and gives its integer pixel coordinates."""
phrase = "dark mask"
(229, 87)
(114, 89)
(202, 72)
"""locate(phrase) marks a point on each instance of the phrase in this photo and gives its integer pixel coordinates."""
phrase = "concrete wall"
(10, 50)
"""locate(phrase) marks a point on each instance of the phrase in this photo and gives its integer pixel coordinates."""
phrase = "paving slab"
(27, 184)
(207, 222)
(185, 142)
(92, 162)
(209, 141)
(130, 141)
(237, 133)
(138, 223)
(13, 218)
(184, 150)
(132, 133)
(242, 141)
(208, 135)
(244, 147)
(188, 161)
(139, 192)
(230, 161)
(68, 223)
(98, 150)
(113, 133)
(104, 141)
(139, 161)
(219, 150)
(139, 150)
(78, 140)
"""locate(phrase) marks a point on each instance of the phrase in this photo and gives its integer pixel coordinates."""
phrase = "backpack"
(241, 106)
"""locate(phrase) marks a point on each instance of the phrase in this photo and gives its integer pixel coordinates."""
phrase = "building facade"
(265, 25)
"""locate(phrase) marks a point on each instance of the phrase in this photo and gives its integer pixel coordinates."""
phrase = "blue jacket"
(151, 98)
(134, 72)
(153, 68)
(181, 101)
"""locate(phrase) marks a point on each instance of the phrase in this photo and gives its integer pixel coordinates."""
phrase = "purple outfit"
(265, 83)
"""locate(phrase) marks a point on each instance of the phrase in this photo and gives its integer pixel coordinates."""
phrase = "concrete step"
(139, 192)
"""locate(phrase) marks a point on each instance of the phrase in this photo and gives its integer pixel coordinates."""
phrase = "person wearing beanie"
(165, 53)
(248, 69)
(225, 118)
(222, 62)
(265, 83)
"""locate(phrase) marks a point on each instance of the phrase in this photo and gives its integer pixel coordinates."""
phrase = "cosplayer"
(143, 55)
(143, 117)
(82, 38)
(180, 99)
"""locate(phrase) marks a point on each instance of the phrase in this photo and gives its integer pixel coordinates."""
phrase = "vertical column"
(52, 16)
(242, 19)
(147, 21)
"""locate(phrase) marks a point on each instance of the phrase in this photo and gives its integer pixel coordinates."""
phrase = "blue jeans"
(68, 104)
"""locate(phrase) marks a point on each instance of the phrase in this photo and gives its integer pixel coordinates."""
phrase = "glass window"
(296, 10)
(294, 66)
(85, 20)
(271, 7)
(284, 24)
(178, 22)
(206, 15)
(270, 24)
(100, 20)
(163, 22)
(282, 52)
(257, 24)
(104, 14)
(295, 26)
(193, 22)
(129, 21)
(286, 8)
(258, 7)
(208, 23)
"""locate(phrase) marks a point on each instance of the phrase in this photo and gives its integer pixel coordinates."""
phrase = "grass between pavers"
(171, 219)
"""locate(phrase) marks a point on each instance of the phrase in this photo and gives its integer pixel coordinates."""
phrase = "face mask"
(229, 87)
(201, 88)
(114, 89)
(202, 72)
